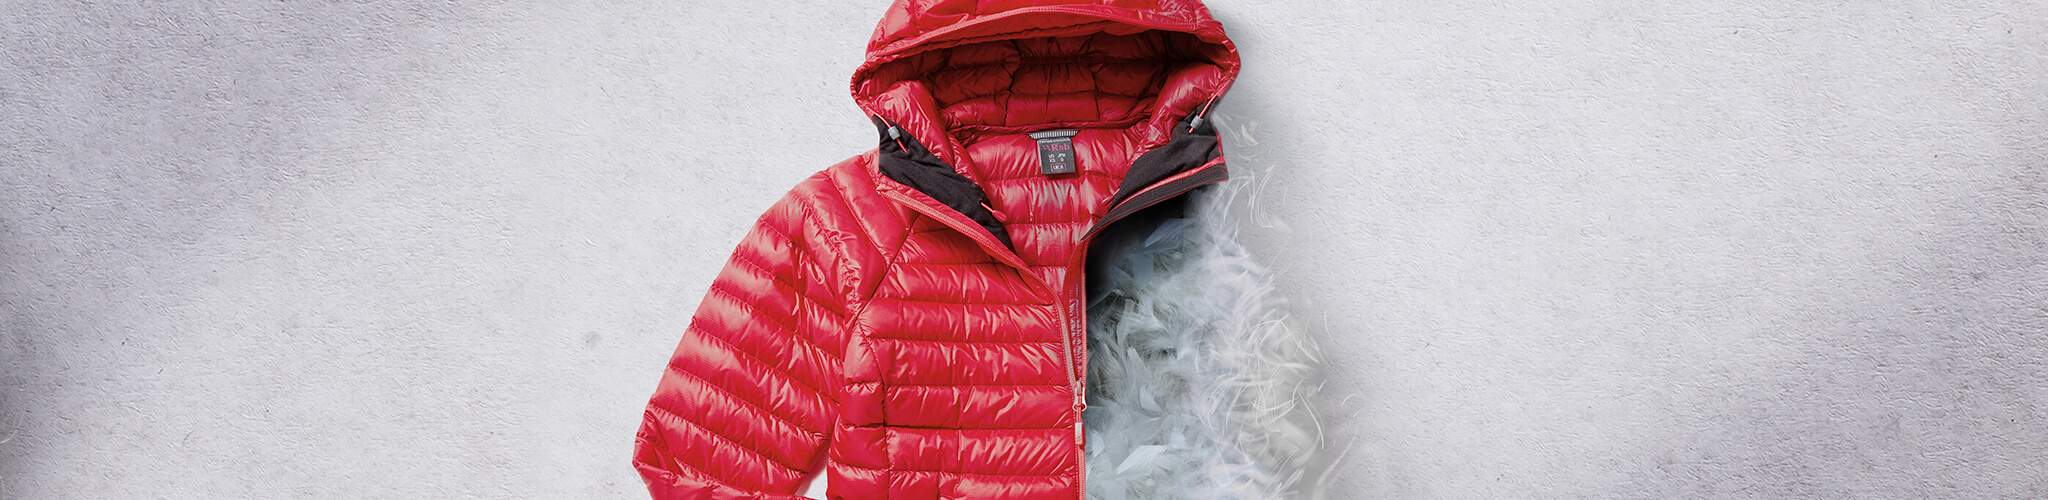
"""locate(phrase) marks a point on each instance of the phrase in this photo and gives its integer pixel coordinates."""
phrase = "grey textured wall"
(1699, 249)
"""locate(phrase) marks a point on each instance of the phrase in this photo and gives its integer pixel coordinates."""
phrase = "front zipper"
(1075, 310)
(1076, 314)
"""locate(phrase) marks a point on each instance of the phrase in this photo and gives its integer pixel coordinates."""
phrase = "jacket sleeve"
(746, 403)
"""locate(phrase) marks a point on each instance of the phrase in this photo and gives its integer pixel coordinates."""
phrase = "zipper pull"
(1000, 216)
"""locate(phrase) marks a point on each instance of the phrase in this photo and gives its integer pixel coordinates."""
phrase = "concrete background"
(378, 249)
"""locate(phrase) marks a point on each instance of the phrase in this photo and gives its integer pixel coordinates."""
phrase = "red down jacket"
(910, 319)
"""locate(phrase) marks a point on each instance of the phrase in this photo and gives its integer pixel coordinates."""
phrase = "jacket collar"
(891, 84)
(885, 87)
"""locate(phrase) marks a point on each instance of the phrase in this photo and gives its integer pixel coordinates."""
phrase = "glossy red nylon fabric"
(865, 327)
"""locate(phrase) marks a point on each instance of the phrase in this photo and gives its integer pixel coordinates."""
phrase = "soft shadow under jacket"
(911, 319)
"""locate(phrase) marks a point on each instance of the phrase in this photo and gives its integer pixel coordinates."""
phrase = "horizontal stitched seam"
(741, 258)
(948, 263)
(800, 296)
(757, 359)
(1074, 59)
(721, 390)
(778, 232)
(852, 466)
(977, 128)
(1093, 91)
(972, 429)
(821, 349)
(646, 438)
(1056, 383)
(722, 437)
(941, 302)
(978, 263)
(970, 341)
(701, 474)
(1048, 223)
(1053, 475)
(737, 297)
(786, 327)
(958, 473)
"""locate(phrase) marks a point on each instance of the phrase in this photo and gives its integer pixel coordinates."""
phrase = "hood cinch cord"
(1201, 115)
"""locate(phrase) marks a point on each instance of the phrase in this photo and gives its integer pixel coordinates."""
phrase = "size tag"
(1055, 151)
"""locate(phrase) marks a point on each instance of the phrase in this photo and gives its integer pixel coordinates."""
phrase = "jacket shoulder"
(844, 221)
(843, 197)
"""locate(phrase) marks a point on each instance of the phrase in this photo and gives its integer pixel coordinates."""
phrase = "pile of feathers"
(1200, 383)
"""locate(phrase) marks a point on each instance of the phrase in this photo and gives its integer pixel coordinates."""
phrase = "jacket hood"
(961, 67)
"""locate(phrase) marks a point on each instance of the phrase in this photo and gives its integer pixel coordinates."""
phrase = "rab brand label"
(1055, 151)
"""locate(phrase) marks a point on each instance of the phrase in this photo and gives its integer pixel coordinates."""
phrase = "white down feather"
(1199, 383)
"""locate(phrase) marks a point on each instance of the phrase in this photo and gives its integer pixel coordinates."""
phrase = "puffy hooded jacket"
(911, 320)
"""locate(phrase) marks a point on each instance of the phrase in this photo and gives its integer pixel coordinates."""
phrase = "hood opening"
(968, 81)
(972, 69)
(1028, 84)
